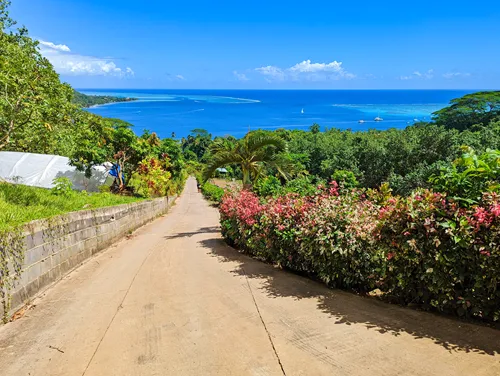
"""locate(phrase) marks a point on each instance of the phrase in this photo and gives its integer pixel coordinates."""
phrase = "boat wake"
(184, 112)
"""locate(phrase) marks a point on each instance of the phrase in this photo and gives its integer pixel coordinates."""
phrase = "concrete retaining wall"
(57, 245)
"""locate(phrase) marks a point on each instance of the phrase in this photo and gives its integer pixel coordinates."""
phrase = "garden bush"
(268, 186)
(152, 178)
(212, 192)
(424, 249)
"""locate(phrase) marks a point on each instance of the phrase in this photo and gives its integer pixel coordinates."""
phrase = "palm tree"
(253, 153)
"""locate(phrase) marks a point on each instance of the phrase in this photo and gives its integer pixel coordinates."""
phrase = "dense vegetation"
(84, 100)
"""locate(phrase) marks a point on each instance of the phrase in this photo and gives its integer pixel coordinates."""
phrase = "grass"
(21, 204)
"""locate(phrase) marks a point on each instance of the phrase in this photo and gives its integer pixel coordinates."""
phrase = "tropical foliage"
(35, 108)
(470, 176)
(253, 153)
(152, 178)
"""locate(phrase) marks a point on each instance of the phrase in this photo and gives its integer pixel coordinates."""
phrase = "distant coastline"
(92, 101)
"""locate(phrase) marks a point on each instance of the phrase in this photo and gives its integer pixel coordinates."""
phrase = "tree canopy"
(34, 104)
(473, 109)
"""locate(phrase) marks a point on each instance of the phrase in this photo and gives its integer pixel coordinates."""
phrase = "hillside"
(84, 100)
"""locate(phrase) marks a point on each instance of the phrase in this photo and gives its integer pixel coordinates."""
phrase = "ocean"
(234, 112)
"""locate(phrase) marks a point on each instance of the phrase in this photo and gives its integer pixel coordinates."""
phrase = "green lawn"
(21, 204)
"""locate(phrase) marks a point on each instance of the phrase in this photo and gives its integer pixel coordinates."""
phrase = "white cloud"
(272, 72)
(240, 76)
(68, 63)
(419, 75)
(307, 67)
(452, 75)
(307, 70)
(58, 47)
(175, 77)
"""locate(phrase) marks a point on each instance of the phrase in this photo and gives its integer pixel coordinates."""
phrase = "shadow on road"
(202, 230)
(348, 309)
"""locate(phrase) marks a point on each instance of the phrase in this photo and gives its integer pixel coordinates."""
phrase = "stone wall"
(57, 245)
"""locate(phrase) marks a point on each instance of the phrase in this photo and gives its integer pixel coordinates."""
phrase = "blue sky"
(258, 44)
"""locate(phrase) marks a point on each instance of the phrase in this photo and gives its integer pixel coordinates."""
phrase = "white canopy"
(39, 170)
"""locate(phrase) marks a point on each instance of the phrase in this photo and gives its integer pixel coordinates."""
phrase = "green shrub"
(212, 192)
(303, 186)
(268, 186)
(62, 187)
(469, 176)
(345, 178)
(151, 178)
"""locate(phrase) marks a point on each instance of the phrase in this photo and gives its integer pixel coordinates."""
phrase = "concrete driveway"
(175, 300)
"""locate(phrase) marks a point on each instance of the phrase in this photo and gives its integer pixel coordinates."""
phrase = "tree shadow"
(201, 230)
(347, 308)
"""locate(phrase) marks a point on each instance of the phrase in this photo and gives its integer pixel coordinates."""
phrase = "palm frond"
(254, 151)
(257, 140)
(220, 159)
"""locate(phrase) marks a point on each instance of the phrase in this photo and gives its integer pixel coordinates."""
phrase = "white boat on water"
(361, 121)
(378, 118)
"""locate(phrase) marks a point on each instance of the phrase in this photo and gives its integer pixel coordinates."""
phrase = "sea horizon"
(82, 89)
(233, 111)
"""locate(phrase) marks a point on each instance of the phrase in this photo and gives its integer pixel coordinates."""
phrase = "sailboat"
(378, 118)
(302, 111)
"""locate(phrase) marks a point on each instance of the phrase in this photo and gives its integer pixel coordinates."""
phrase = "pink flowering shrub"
(423, 249)
(281, 230)
(336, 236)
(239, 212)
(441, 255)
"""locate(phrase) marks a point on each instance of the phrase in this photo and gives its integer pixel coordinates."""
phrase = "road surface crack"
(264, 324)
(120, 306)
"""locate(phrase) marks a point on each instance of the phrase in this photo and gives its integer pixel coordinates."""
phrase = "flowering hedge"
(423, 249)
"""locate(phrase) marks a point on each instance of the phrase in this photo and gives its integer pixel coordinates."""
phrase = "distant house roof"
(221, 169)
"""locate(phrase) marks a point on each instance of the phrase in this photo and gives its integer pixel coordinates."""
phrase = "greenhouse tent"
(40, 170)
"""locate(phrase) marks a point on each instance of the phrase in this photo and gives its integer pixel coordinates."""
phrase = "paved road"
(175, 300)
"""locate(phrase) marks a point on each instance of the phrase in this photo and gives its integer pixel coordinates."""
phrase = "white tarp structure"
(39, 170)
